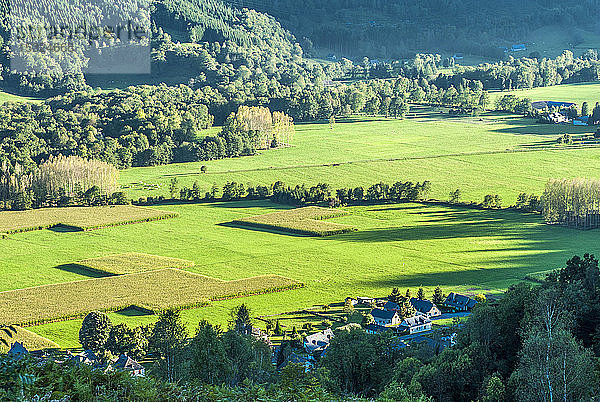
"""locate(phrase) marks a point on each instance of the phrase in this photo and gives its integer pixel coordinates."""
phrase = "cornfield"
(78, 218)
(152, 291)
(306, 221)
(132, 263)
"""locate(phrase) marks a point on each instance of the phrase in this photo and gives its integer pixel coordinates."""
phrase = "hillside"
(394, 29)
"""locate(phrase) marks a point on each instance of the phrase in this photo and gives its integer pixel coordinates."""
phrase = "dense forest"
(397, 29)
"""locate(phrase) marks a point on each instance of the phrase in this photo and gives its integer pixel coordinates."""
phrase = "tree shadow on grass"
(82, 270)
(134, 311)
(479, 277)
(60, 228)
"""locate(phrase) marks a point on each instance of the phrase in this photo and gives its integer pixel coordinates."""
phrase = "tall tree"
(94, 331)
(168, 341)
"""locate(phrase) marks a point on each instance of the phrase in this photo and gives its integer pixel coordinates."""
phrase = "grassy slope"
(8, 97)
(438, 150)
(397, 245)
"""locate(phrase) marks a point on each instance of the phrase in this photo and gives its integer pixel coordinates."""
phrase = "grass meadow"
(577, 93)
(493, 154)
(403, 245)
(8, 97)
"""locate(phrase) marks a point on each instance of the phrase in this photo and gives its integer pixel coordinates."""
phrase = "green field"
(30, 340)
(493, 154)
(404, 245)
(577, 93)
(395, 245)
(8, 97)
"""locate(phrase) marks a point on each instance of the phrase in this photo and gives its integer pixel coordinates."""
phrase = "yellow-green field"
(132, 263)
(30, 340)
(153, 291)
(77, 218)
(308, 221)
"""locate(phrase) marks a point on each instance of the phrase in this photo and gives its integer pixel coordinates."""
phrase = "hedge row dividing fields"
(152, 291)
(132, 263)
(309, 221)
(78, 218)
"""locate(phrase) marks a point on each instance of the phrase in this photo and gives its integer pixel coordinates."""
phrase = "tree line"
(59, 182)
(572, 202)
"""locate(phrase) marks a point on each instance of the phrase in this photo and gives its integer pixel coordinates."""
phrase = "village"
(410, 320)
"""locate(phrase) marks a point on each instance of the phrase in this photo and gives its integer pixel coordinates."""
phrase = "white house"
(416, 324)
(319, 341)
(425, 307)
(126, 363)
(385, 318)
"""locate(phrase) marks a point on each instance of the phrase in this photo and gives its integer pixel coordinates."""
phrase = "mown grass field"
(8, 97)
(309, 221)
(403, 245)
(577, 93)
(132, 263)
(77, 218)
(478, 155)
(153, 291)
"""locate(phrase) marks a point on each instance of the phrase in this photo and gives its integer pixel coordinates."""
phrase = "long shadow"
(82, 270)
(258, 229)
(133, 311)
(60, 228)
(455, 223)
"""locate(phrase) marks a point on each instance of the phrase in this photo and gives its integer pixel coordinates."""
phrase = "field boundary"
(151, 291)
(377, 160)
(59, 222)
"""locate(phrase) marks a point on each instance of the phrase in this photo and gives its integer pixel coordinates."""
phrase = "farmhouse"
(416, 324)
(17, 350)
(318, 342)
(126, 363)
(86, 357)
(541, 105)
(458, 302)
(256, 333)
(391, 306)
(365, 300)
(385, 318)
(425, 307)
(376, 329)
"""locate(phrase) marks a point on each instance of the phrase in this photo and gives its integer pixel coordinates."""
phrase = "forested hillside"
(393, 29)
